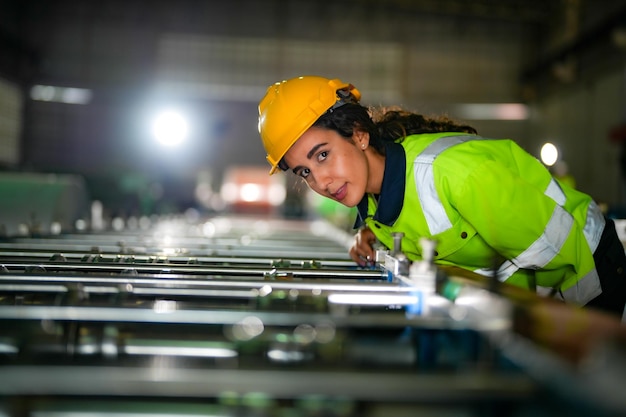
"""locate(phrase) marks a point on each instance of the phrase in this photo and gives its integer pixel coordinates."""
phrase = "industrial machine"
(253, 316)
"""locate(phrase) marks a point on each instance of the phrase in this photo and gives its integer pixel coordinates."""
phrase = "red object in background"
(250, 189)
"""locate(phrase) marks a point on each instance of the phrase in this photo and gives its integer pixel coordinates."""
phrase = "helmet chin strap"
(344, 97)
(283, 165)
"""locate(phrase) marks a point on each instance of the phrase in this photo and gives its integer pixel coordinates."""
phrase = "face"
(331, 165)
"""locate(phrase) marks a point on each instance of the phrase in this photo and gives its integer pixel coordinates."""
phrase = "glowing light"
(229, 192)
(42, 92)
(75, 95)
(248, 328)
(204, 193)
(250, 192)
(286, 356)
(251, 184)
(68, 95)
(117, 224)
(549, 154)
(169, 251)
(373, 299)
(497, 111)
(81, 225)
(305, 333)
(189, 351)
(164, 306)
(56, 228)
(170, 128)
(208, 229)
(277, 193)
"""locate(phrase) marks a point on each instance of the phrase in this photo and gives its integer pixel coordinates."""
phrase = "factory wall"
(216, 62)
(221, 79)
(579, 119)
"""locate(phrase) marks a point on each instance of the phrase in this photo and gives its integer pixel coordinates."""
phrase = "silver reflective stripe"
(436, 217)
(586, 289)
(594, 223)
(555, 192)
(503, 273)
(594, 226)
(542, 250)
(547, 291)
(549, 244)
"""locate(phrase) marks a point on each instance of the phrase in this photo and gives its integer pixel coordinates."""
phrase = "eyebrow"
(310, 154)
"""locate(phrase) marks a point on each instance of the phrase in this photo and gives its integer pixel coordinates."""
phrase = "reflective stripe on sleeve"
(594, 226)
(586, 289)
(549, 291)
(549, 244)
(555, 192)
(436, 217)
(594, 223)
(540, 252)
(503, 273)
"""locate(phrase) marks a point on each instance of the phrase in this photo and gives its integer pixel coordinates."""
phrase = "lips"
(341, 193)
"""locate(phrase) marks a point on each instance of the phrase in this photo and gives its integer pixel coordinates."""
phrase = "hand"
(362, 251)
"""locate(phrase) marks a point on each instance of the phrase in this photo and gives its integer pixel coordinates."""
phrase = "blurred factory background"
(150, 266)
(82, 83)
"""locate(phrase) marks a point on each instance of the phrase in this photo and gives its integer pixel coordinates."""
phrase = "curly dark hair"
(386, 123)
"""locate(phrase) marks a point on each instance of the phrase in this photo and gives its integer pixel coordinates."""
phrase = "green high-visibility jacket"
(487, 199)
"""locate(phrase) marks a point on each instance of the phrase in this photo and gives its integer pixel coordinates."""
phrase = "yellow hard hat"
(291, 106)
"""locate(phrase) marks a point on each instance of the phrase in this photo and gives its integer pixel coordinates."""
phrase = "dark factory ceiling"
(540, 14)
(512, 10)
(548, 26)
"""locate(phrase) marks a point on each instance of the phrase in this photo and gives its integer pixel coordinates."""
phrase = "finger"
(365, 249)
(363, 258)
(355, 256)
(360, 257)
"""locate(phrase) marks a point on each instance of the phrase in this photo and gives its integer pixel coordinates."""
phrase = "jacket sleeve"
(519, 219)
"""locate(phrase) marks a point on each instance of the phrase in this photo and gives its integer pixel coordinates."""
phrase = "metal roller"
(242, 316)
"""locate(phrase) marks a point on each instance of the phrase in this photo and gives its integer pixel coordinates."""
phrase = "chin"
(347, 203)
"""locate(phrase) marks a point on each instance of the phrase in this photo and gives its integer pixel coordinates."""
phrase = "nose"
(322, 178)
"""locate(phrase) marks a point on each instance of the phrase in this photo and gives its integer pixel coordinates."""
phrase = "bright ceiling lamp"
(549, 154)
(492, 111)
(68, 95)
(170, 128)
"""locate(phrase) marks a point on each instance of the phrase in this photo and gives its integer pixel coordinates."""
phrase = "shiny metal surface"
(260, 318)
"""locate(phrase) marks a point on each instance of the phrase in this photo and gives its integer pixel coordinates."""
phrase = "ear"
(361, 138)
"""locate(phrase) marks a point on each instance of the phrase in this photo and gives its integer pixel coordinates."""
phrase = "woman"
(491, 207)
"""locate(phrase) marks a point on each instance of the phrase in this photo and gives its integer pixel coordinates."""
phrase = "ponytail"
(386, 124)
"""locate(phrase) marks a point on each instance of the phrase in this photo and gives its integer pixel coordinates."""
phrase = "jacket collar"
(391, 196)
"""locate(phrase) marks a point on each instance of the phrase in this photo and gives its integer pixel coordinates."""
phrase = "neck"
(376, 164)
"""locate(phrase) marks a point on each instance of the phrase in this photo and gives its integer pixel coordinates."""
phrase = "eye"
(322, 155)
(304, 172)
